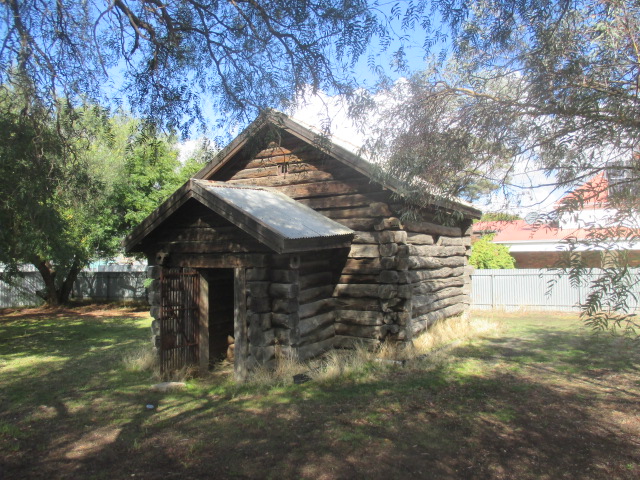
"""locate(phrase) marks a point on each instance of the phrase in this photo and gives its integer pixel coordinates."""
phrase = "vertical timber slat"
(204, 325)
(240, 325)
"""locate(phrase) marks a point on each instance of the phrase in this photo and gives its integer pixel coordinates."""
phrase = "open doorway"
(221, 311)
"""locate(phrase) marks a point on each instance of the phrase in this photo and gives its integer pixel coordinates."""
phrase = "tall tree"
(66, 202)
(547, 86)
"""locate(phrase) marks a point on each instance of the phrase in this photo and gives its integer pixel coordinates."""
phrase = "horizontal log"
(305, 352)
(420, 275)
(429, 298)
(364, 266)
(358, 304)
(284, 290)
(217, 261)
(315, 293)
(285, 320)
(416, 263)
(388, 249)
(284, 275)
(429, 286)
(391, 223)
(356, 290)
(306, 177)
(261, 338)
(285, 305)
(360, 317)
(366, 237)
(452, 241)
(197, 234)
(315, 308)
(358, 279)
(262, 355)
(211, 246)
(436, 251)
(423, 322)
(423, 308)
(310, 325)
(315, 280)
(318, 335)
(335, 187)
(377, 332)
(272, 150)
(344, 201)
(419, 239)
(375, 209)
(257, 274)
(432, 228)
(364, 251)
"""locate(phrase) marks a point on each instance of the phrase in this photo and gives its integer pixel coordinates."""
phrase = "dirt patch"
(91, 310)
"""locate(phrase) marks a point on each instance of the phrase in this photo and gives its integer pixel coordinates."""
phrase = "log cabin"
(287, 243)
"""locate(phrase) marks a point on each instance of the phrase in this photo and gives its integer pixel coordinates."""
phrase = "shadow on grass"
(450, 421)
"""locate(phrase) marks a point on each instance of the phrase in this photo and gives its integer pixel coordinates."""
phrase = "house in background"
(538, 244)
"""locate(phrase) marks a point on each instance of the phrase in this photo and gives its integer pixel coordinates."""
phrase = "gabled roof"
(272, 218)
(339, 152)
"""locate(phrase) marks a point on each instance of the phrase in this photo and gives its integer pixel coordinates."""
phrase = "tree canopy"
(173, 58)
(66, 202)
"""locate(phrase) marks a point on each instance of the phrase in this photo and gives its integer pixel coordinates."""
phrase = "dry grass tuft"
(144, 359)
(340, 363)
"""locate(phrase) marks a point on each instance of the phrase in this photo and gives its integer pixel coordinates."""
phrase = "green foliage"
(486, 254)
(180, 57)
(74, 185)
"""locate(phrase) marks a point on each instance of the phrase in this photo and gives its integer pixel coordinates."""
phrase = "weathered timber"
(318, 335)
(315, 308)
(218, 261)
(273, 150)
(284, 305)
(420, 275)
(429, 298)
(435, 251)
(361, 331)
(360, 317)
(306, 352)
(365, 266)
(376, 209)
(391, 223)
(203, 320)
(428, 286)
(315, 280)
(416, 263)
(343, 201)
(263, 355)
(284, 276)
(419, 239)
(259, 304)
(389, 276)
(315, 293)
(285, 320)
(358, 304)
(304, 190)
(451, 241)
(364, 251)
(258, 289)
(304, 178)
(392, 236)
(240, 367)
(213, 246)
(309, 325)
(358, 279)
(283, 290)
(257, 274)
(356, 290)
(261, 338)
(432, 228)
(438, 305)
(388, 249)
(422, 322)
(202, 234)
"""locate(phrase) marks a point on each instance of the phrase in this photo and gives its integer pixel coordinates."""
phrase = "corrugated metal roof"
(282, 214)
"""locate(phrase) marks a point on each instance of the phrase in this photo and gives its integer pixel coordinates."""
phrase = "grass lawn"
(539, 399)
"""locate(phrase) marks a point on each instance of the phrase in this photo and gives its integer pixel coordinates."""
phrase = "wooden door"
(179, 318)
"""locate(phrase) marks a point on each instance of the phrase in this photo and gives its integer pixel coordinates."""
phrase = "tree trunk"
(53, 295)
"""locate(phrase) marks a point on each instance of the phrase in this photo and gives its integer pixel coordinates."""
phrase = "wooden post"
(241, 350)
(203, 340)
